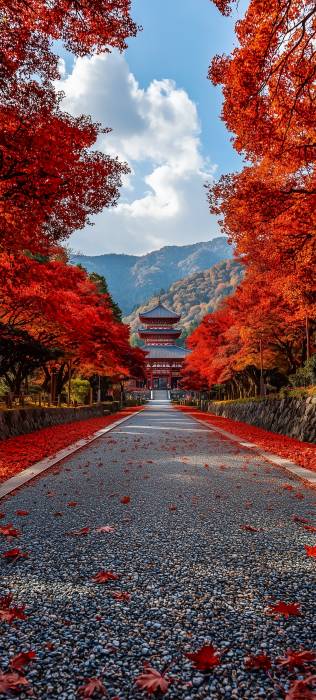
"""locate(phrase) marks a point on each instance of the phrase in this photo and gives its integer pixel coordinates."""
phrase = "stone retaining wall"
(293, 417)
(21, 421)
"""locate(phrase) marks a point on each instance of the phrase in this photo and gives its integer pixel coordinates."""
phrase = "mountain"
(194, 296)
(132, 279)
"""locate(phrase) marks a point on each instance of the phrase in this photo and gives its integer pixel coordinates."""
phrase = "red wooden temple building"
(164, 358)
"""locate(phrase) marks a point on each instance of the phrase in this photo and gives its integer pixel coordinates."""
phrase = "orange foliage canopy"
(268, 210)
(59, 306)
(50, 179)
(225, 347)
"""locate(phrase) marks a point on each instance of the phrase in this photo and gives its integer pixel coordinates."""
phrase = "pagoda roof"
(159, 311)
(166, 331)
(164, 351)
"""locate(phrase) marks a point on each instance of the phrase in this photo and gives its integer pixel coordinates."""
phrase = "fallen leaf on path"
(22, 659)
(106, 528)
(173, 508)
(8, 614)
(104, 576)
(72, 504)
(260, 661)
(22, 512)
(59, 513)
(249, 528)
(126, 499)
(310, 528)
(205, 658)
(92, 685)
(11, 681)
(300, 520)
(7, 532)
(311, 551)
(295, 658)
(15, 553)
(152, 681)
(84, 531)
(299, 495)
(119, 595)
(299, 690)
(285, 609)
(2, 515)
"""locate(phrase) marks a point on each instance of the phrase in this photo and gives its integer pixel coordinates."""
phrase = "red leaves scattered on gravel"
(205, 658)
(18, 453)
(301, 453)
(104, 576)
(283, 608)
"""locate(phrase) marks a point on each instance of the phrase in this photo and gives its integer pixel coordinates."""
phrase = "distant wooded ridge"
(193, 297)
(133, 279)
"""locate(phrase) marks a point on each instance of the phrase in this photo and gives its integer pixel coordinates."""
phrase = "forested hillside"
(133, 279)
(193, 297)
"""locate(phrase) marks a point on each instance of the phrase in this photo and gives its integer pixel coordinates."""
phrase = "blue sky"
(165, 119)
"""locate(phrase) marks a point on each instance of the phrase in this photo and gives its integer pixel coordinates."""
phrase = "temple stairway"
(160, 395)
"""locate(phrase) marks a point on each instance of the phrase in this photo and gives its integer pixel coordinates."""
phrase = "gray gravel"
(194, 573)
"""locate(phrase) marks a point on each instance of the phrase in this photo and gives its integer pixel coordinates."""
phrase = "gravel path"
(178, 547)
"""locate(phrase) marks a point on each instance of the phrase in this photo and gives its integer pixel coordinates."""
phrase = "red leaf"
(22, 512)
(295, 658)
(103, 576)
(299, 495)
(7, 532)
(310, 528)
(11, 681)
(15, 553)
(311, 551)
(173, 508)
(21, 660)
(8, 614)
(249, 528)
(300, 691)
(93, 685)
(59, 513)
(119, 595)
(205, 658)
(126, 499)
(260, 661)
(2, 515)
(84, 531)
(106, 528)
(285, 609)
(300, 520)
(152, 681)
(72, 504)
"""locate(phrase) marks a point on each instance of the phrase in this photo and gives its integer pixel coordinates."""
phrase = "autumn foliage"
(268, 209)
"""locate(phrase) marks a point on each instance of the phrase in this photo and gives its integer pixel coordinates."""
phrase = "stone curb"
(305, 474)
(31, 472)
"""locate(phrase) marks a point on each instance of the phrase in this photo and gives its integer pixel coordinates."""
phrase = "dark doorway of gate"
(160, 383)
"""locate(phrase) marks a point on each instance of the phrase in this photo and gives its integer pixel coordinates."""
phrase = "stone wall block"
(22, 421)
(289, 416)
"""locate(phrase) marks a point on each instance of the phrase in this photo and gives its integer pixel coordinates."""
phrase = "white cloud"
(163, 201)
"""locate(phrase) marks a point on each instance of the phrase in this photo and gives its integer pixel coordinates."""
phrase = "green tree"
(102, 288)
